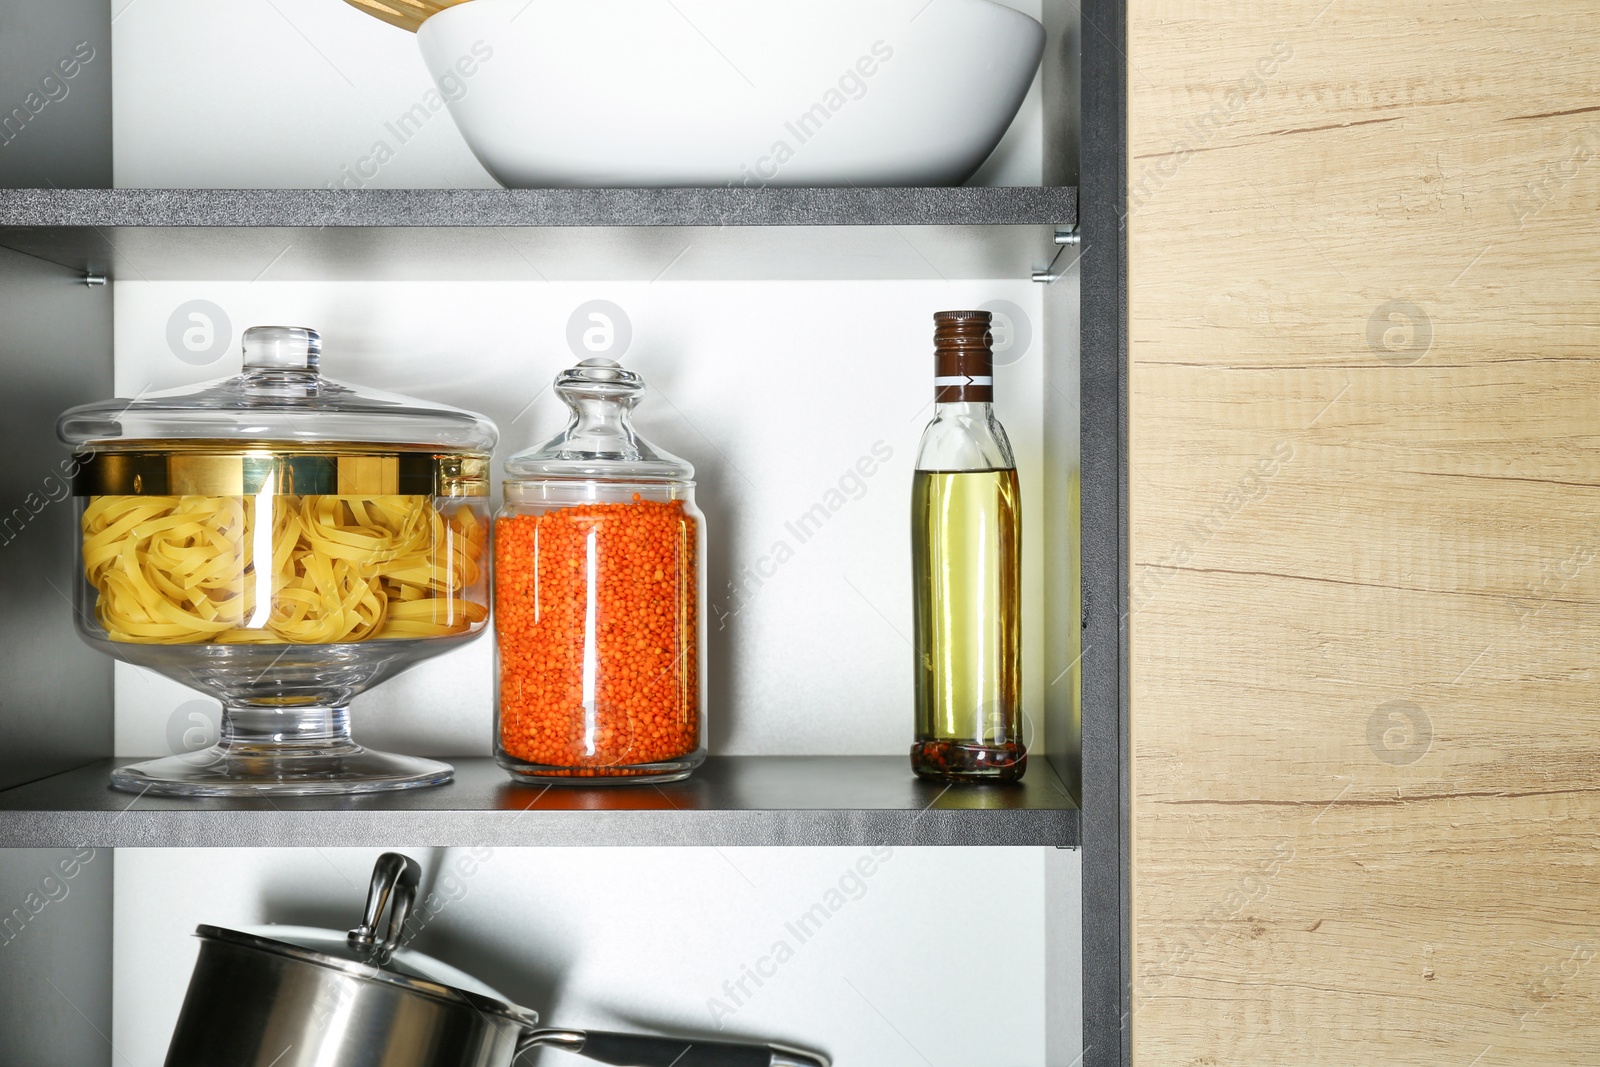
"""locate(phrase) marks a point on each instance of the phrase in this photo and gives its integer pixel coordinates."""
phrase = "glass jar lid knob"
(282, 348)
(599, 378)
(599, 441)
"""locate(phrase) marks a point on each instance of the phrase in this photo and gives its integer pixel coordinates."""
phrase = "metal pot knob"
(395, 879)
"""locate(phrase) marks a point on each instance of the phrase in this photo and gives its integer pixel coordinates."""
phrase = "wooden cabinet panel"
(1365, 478)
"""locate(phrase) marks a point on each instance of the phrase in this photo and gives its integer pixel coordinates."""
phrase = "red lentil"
(639, 646)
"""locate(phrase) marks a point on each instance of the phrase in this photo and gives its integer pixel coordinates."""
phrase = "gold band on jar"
(214, 469)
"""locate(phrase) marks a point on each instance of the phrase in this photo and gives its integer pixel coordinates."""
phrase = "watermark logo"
(1250, 488)
(1553, 577)
(1201, 130)
(53, 489)
(199, 332)
(599, 328)
(1011, 331)
(851, 885)
(1555, 175)
(193, 726)
(1399, 733)
(852, 85)
(852, 485)
(1553, 978)
(1218, 921)
(53, 88)
(1399, 332)
(452, 85)
(53, 888)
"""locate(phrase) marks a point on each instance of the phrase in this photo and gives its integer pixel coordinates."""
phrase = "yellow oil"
(967, 564)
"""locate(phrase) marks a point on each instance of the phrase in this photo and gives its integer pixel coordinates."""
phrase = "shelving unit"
(53, 767)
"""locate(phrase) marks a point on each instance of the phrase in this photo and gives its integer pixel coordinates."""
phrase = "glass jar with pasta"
(282, 542)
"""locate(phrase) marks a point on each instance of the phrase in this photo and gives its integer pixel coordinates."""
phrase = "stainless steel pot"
(301, 997)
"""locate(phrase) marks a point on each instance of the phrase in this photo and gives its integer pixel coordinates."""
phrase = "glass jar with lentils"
(599, 599)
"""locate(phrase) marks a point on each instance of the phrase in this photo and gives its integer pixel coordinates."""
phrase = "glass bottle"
(599, 599)
(282, 542)
(966, 535)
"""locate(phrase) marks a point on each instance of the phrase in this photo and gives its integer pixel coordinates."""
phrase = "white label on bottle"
(962, 379)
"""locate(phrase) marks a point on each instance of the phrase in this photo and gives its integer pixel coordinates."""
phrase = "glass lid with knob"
(599, 440)
(281, 397)
(283, 542)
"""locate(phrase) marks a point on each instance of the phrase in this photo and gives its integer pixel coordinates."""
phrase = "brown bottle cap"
(963, 357)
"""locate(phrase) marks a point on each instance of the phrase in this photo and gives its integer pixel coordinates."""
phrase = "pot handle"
(632, 1050)
(395, 879)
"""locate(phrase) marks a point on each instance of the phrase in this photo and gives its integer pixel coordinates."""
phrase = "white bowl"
(553, 93)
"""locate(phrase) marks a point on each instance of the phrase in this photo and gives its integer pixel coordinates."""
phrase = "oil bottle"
(966, 539)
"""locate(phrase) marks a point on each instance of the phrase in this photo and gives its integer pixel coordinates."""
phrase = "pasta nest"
(311, 570)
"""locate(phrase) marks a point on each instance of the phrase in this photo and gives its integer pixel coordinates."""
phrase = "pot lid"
(361, 953)
(404, 967)
(280, 398)
(599, 441)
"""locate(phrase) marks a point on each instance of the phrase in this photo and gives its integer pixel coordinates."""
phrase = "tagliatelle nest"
(198, 569)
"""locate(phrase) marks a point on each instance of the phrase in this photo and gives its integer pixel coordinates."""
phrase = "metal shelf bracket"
(1065, 236)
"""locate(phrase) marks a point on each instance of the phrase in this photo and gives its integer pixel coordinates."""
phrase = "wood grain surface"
(1365, 300)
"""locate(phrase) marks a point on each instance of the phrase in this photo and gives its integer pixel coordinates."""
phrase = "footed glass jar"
(282, 542)
(599, 599)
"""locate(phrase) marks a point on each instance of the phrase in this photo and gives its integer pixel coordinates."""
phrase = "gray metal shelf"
(480, 208)
(740, 800)
(539, 235)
